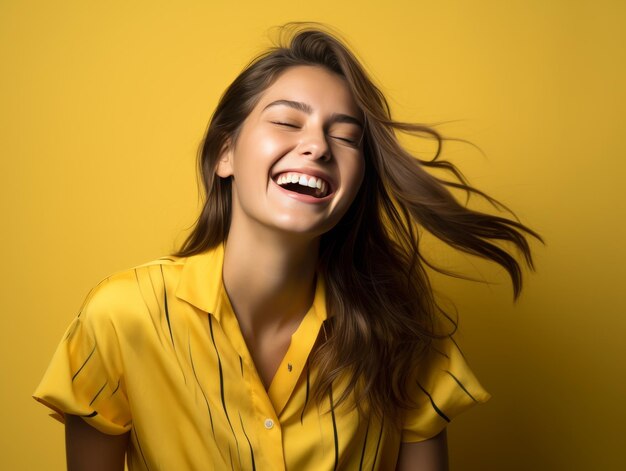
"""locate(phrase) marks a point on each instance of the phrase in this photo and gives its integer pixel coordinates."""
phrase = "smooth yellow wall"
(102, 105)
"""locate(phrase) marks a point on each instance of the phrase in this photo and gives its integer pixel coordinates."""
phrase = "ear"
(225, 165)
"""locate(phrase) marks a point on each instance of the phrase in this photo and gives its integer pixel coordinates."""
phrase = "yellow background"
(102, 105)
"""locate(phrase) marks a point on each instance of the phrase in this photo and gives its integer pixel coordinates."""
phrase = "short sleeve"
(444, 387)
(85, 377)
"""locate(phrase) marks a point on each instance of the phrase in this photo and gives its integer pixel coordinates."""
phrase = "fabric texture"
(157, 351)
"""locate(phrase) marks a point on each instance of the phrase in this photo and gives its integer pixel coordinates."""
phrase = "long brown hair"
(381, 305)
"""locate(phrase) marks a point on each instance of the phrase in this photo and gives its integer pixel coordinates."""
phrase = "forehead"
(323, 90)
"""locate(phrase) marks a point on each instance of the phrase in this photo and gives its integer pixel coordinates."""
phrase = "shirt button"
(269, 423)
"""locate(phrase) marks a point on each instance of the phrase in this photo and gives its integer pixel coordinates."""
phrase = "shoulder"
(130, 293)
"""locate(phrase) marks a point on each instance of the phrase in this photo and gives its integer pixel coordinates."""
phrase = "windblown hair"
(381, 305)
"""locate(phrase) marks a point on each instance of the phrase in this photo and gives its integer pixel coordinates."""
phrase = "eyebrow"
(306, 108)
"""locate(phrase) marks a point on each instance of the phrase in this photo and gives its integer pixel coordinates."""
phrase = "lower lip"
(303, 198)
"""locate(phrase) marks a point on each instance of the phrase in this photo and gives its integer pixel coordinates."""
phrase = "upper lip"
(311, 172)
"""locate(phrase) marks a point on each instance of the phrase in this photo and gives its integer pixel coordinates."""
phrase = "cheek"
(261, 149)
(270, 146)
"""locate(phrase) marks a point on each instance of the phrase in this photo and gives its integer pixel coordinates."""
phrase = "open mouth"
(303, 184)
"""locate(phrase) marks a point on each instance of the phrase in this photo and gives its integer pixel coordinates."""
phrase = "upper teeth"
(304, 180)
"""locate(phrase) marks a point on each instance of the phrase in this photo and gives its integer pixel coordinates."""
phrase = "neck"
(269, 277)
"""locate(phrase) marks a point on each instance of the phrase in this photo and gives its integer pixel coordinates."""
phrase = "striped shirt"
(157, 351)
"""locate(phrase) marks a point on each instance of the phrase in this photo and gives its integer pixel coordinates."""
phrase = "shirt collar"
(201, 283)
(201, 279)
(319, 300)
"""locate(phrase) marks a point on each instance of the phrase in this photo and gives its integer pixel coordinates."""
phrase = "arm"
(89, 449)
(429, 455)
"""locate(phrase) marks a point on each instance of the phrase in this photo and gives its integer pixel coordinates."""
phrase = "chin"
(302, 228)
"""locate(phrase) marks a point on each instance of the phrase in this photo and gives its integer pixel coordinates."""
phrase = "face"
(297, 162)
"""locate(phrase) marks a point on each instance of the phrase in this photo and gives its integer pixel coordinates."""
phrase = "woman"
(296, 327)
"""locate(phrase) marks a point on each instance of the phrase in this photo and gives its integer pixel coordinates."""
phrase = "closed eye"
(347, 140)
(287, 125)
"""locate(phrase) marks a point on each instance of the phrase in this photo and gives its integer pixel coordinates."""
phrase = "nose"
(314, 145)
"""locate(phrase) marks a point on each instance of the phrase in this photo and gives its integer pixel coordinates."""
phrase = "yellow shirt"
(157, 351)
